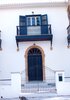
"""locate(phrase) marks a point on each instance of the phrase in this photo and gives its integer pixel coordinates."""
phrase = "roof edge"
(32, 5)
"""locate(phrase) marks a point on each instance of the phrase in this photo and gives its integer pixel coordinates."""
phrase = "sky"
(28, 1)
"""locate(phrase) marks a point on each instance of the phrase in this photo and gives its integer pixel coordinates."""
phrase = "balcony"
(35, 33)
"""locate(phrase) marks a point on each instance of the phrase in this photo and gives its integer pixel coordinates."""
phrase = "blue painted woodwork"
(44, 19)
(21, 38)
(44, 29)
(35, 65)
(44, 24)
(22, 20)
(22, 23)
(36, 20)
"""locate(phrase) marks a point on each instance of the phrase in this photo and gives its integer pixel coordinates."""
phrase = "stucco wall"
(12, 90)
(13, 61)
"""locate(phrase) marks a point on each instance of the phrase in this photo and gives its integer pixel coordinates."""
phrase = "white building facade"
(12, 60)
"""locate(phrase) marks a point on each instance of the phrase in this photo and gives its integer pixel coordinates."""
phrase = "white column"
(59, 76)
(59, 80)
(62, 86)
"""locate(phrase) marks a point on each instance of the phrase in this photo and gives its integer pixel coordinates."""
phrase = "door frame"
(26, 60)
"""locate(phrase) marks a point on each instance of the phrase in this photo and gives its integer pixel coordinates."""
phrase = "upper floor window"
(38, 21)
(28, 21)
(33, 21)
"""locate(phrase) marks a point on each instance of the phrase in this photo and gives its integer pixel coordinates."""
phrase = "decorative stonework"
(26, 60)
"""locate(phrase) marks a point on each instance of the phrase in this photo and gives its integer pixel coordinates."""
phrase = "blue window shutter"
(33, 21)
(28, 21)
(44, 19)
(44, 24)
(38, 20)
(22, 24)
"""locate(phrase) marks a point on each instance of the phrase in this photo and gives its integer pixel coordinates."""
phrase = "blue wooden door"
(44, 24)
(35, 67)
(23, 26)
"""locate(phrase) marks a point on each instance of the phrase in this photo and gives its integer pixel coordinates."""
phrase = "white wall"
(30, 1)
(62, 87)
(13, 61)
(12, 90)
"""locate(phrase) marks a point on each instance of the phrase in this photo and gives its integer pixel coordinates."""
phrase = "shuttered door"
(39, 75)
(35, 67)
(22, 24)
(44, 24)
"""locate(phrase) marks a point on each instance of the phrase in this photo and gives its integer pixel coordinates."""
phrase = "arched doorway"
(33, 50)
(35, 72)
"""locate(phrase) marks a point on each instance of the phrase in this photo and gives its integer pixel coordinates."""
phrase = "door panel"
(35, 67)
(22, 24)
(44, 24)
(31, 68)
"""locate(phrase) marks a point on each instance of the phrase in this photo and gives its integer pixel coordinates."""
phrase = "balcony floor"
(20, 38)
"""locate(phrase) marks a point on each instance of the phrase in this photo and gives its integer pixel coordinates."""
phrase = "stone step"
(36, 85)
(40, 95)
(47, 90)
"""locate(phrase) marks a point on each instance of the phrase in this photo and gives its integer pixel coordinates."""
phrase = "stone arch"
(26, 60)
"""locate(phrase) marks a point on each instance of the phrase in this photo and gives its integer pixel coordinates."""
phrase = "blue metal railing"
(48, 27)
